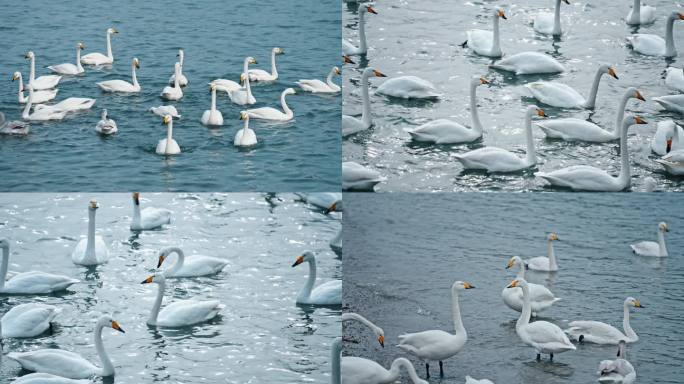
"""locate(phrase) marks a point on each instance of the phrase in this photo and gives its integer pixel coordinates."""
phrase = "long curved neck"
(182, 59)
(456, 313)
(591, 101)
(477, 125)
(32, 75)
(362, 31)
(669, 37)
(274, 70)
(3, 266)
(556, 18)
(328, 80)
(109, 46)
(157, 303)
(181, 259)
(107, 366)
(551, 254)
(625, 173)
(90, 242)
(286, 109)
(135, 78)
(306, 290)
(661, 239)
(531, 155)
(621, 114)
(27, 108)
(496, 40)
(21, 90)
(629, 332)
(169, 135)
(243, 140)
(78, 59)
(524, 318)
(521, 271)
(335, 361)
(403, 362)
(366, 116)
(356, 317)
(213, 100)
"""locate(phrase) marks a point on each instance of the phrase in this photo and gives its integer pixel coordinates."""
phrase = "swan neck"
(286, 109)
(176, 77)
(366, 116)
(110, 55)
(305, 293)
(403, 362)
(356, 317)
(624, 176)
(32, 75)
(456, 312)
(245, 70)
(629, 332)
(135, 78)
(477, 125)
(521, 271)
(621, 114)
(213, 100)
(531, 155)
(524, 318)
(157, 303)
(661, 240)
(591, 101)
(27, 108)
(274, 70)
(21, 90)
(90, 242)
(496, 40)
(552, 255)
(329, 79)
(3, 266)
(362, 32)
(556, 18)
(180, 262)
(335, 361)
(107, 366)
(136, 213)
(669, 37)
(78, 59)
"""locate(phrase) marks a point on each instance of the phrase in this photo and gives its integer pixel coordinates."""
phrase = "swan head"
(107, 321)
(29, 55)
(461, 285)
(16, 76)
(212, 87)
(478, 80)
(289, 91)
(370, 9)
(136, 199)
(500, 13)
(662, 227)
(167, 119)
(337, 71)
(156, 278)
(633, 302)
(373, 72)
(103, 115)
(533, 109)
(250, 60)
(552, 237)
(307, 256)
(631, 120)
(517, 283)
(634, 93)
(111, 31)
(244, 115)
(347, 59)
(513, 261)
(622, 346)
(80, 46)
(93, 205)
(136, 63)
(278, 51)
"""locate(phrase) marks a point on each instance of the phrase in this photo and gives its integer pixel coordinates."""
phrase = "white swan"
(329, 201)
(168, 145)
(121, 85)
(356, 177)
(352, 125)
(197, 265)
(641, 14)
(335, 361)
(379, 333)
(652, 248)
(444, 131)
(41, 96)
(349, 48)
(175, 92)
(180, 313)
(673, 157)
(43, 82)
(212, 116)
(674, 103)
(486, 43)
(92, 250)
(71, 104)
(261, 75)
(164, 110)
(540, 296)
(494, 159)
(69, 364)
(529, 63)
(27, 320)
(560, 95)
(69, 68)
(243, 95)
(97, 58)
(44, 114)
(32, 282)
(106, 126)
(470, 380)
(328, 293)
(182, 80)
(437, 344)
(619, 370)
(148, 218)
(674, 78)
(46, 378)
(408, 87)
(272, 114)
(587, 178)
(245, 136)
(358, 370)
(673, 162)
(602, 333)
(543, 336)
(546, 263)
(317, 86)
(13, 127)
(549, 23)
(654, 45)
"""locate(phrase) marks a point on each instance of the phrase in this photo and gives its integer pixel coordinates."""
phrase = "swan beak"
(611, 71)
(510, 263)
(300, 259)
(167, 119)
(332, 208)
(681, 15)
(338, 72)
(148, 280)
(243, 115)
(161, 260)
(14, 77)
(567, 2)
(379, 74)
(93, 204)
(513, 284)
(371, 10)
(381, 340)
(348, 60)
(639, 96)
(117, 327)
(468, 286)
(639, 120)
(136, 198)
(115, 30)
(668, 145)
(502, 14)
(637, 304)
(541, 113)
(554, 236)
(483, 81)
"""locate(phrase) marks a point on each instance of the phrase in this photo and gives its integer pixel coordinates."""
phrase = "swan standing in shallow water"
(245, 136)
(349, 48)
(68, 68)
(317, 86)
(486, 43)
(243, 95)
(543, 336)
(175, 92)
(408, 87)
(549, 23)
(641, 14)
(587, 178)
(97, 58)
(32, 282)
(27, 320)
(654, 45)
(46, 378)
(352, 125)
(168, 145)
(92, 250)
(673, 160)
(148, 218)
(546, 263)
(602, 333)
(272, 114)
(164, 110)
(13, 127)
(182, 80)
(494, 159)
(529, 63)
(44, 114)
(437, 344)
(328, 293)
(38, 96)
(106, 126)
(212, 116)
(560, 95)
(261, 75)
(42, 82)
(444, 131)
(540, 296)
(121, 85)
(356, 177)
(652, 248)
(619, 370)
(180, 313)
(68, 364)
(197, 265)
(674, 78)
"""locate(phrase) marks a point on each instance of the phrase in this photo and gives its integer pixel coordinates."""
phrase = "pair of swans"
(560, 95)
(541, 297)
(652, 248)
(654, 45)
(212, 116)
(15, 127)
(486, 43)
(356, 177)
(546, 263)
(164, 110)
(148, 218)
(437, 344)
(97, 58)
(106, 126)
(602, 333)
(194, 266)
(619, 370)
(272, 114)
(92, 250)
(494, 159)
(39, 97)
(27, 320)
(549, 23)
(349, 48)
(67, 364)
(32, 282)
(673, 159)
(238, 94)
(175, 92)
(168, 145)
(69, 68)
(352, 125)
(640, 14)
(318, 86)
(328, 293)
(588, 178)
(123, 86)
(182, 80)
(42, 82)
(245, 136)
(261, 75)
(543, 336)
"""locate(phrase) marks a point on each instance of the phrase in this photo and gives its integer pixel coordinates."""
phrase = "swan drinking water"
(328, 293)
(68, 68)
(182, 80)
(619, 370)
(261, 75)
(654, 45)
(317, 86)
(97, 58)
(212, 116)
(549, 23)
(243, 95)
(486, 43)
(121, 85)
(548, 263)
(32, 282)
(27, 320)
(356, 177)
(175, 92)
(652, 248)
(69, 364)
(92, 250)
(641, 14)
(148, 218)
(43, 82)
(245, 137)
(352, 125)
(560, 95)
(602, 333)
(540, 296)
(168, 145)
(197, 265)
(106, 126)
(349, 48)
(38, 96)
(272, 114)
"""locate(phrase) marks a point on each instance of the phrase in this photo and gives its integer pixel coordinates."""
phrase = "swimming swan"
(46, 378)
(356, 177)
(349, 48)
(619, 370)
(68, 68)
(71, 104)
(408, 87)
(164, 110)
(27, 320)
(540, 296)
(546, 263)
(175, 92)
(486, 43)
(352, 125)
(529, 63)
(261, 75)
(97, 58)
(654, 45)
(32, 282)
(168, 145)
(602, 333)
(43, 82)
(245, 136)
(243, 95)
(13, 127)
(182, 80)
(328, 293)
(43, 114)
(317, 86)
(673, 160)
(212, 116)
(358, 370)
(641, 14)
(148, 218)
(121, 85)
(196, 265)
(652, 248)
(549, 23)
(560, 95)
(272, 114)
(92, 250)
(41, 96)
(106, 126)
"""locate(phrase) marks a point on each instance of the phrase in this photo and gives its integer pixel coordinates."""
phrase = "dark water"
(260, 337)
(216, 36)
(422, 38)
(404, 251)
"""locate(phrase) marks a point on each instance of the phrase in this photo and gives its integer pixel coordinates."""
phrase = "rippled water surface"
(216, 36)
(403, 252)
(261, 336)
(422, 38)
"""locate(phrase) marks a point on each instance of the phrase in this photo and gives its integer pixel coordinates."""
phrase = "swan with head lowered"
(180, 313)
(356, 177)
(641, 14)
(46, 378)
(444, 131)
(69, 364)
(437, 344)
(357, 370)
(546, 263)
(27, 320)
(106, 126)
(560, 95)
(544, 337)
(212, 116)
(673, 160)
(42, 82)
(619, 370)
(69, 68)
(486, 43)
(41, 96)
(328, 293)
(349, 48)
(602, 333)
(540, 296)
(379, 333)
(164, 110)
(97, 58)
(32, 282)
(549, 23)
(168, 145)
(587, 178)
(272, 114)
(529, 63)
(182, 80)
(352, 125)
(408, 87)
(148, 218)
(494, 159)
(243, 95)
(44, 114)
(71, 104)
(92, 250)
(121, 85)
(245, 136)
(175, 92)
(654, 45)
(261, 75)
(197, 265)
(652, 248)
(318, 86)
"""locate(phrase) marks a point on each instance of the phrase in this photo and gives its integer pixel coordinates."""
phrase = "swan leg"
(441, 369)
(427, 370)
(538, 356)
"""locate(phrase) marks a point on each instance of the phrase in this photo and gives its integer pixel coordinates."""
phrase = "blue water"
(303, 155)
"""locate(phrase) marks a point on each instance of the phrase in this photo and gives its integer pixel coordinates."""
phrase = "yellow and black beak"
(332, 208)
(513, 284)
(115, 325)
(161, 260)
(483, 81)
(348, 60)
(300, 259)
(540, 112)
(502, 15)
(637, 304)
(371, 10)
(639, 96)
(468, 286)
(148, 280)
(378, 74)
(381, 340)
(639, 120)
